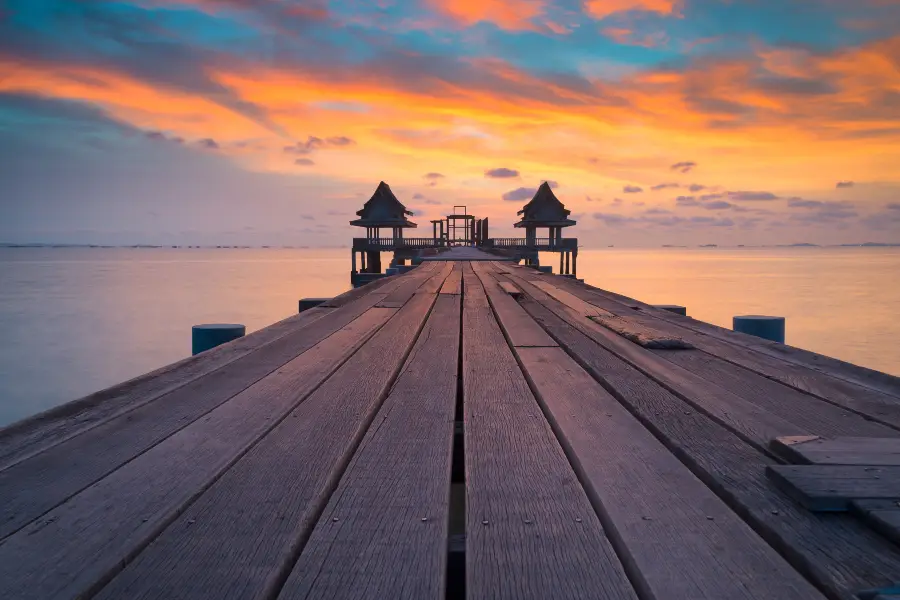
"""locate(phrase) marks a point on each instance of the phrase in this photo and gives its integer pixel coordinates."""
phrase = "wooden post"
(560, 263)
(769, 328)
(575, 262)
(353, 259)
(672, 308)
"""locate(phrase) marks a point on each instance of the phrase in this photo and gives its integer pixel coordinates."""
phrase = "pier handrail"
(562, 243)
(392, 243)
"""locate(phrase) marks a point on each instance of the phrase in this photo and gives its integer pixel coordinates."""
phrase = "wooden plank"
(77, 546)
(34, 486)
(814, 450)
(409, 283)
(510, 289)
(680, 539)
(439, 271)
(453, 284)
(882, 515)
(246, 531)
(826, 488)
(519, 328)
(838, 553)
(32, 435)
(642, 335)
(748, 420)
(807, 412)
(577, 304)
(384, 531)
(870, 396)
(530, 530)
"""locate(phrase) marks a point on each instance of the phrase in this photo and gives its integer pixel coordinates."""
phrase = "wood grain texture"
(827, 488)
(832, 367)
(36, 485)
(571, 300)
(245, 532)
(384, 531)
(510, 289)
(807, 412)
(26, 438)
(748, 420)
(867, 392)
(453, 284)
(409, 283)
(839, 553)
(882, 515)
(518, 327)
(680, 540)
(642, 335)
(840, 451)
(76, 546)
(531, 531)
(439, 273)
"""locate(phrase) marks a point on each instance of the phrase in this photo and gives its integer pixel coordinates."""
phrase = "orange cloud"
(600, 9)
(506, 14)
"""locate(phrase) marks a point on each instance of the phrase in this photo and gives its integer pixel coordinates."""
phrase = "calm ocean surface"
(74, 321)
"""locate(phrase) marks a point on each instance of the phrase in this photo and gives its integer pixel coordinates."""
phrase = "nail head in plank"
(244, 531)
(831, 488)
(670, 526)
(816, 450)
(393, 495)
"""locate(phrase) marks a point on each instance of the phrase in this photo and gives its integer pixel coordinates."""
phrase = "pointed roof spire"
(545, 210)
(383, 210)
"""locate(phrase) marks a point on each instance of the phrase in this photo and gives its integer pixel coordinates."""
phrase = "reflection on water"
(77, 320)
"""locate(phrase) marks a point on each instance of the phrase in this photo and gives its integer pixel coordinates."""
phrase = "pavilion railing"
(535, 244)
(395, 243)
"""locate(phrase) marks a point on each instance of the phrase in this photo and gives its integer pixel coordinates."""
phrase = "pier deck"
(468, 429)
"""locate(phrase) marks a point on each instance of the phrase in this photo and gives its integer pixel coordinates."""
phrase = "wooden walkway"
(468, 429)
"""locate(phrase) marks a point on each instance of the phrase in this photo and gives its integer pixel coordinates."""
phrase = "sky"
(271, 121)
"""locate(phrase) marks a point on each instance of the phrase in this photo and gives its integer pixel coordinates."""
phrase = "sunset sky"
(272, 121)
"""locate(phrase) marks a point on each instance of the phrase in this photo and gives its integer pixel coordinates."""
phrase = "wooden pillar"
(575, 262)
(560, 263)
(353, 259)
(485, 235)
(567, 262)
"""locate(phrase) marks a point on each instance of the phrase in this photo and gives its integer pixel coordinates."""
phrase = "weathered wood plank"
(34, 486)
(682, 541)
(409, 283)
(862, 390)
(744, 418)
(384, 531)
(510, 289)
(438, 276)
(807, 412)
(882, 515)
(827, 488)
(815, 450)
(643, 335)
(838, 552)
(531, 531)
(76, 546)
(453, 284)
(577, 304)
(519, 328)
(30, 436)
(245, 532)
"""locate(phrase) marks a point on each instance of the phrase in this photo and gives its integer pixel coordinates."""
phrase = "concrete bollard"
(205, 337)
(769, 328)
(391, 271)
(672, 308)
(546, 269)
(308, 303)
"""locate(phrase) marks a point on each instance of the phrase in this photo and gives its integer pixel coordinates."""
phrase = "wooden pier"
(472, 428)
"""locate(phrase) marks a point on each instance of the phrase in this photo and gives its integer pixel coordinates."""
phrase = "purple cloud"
(684, 166)
(314, 143)
(717, 205)
(844, 184)
(433, 176)
(686, 201)
(305, 162)
(501, 173)
(893, 206)
(696, 187)
(632, 189)
(524, 193)
(209, 144)
(752, 196)
(663, 186)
